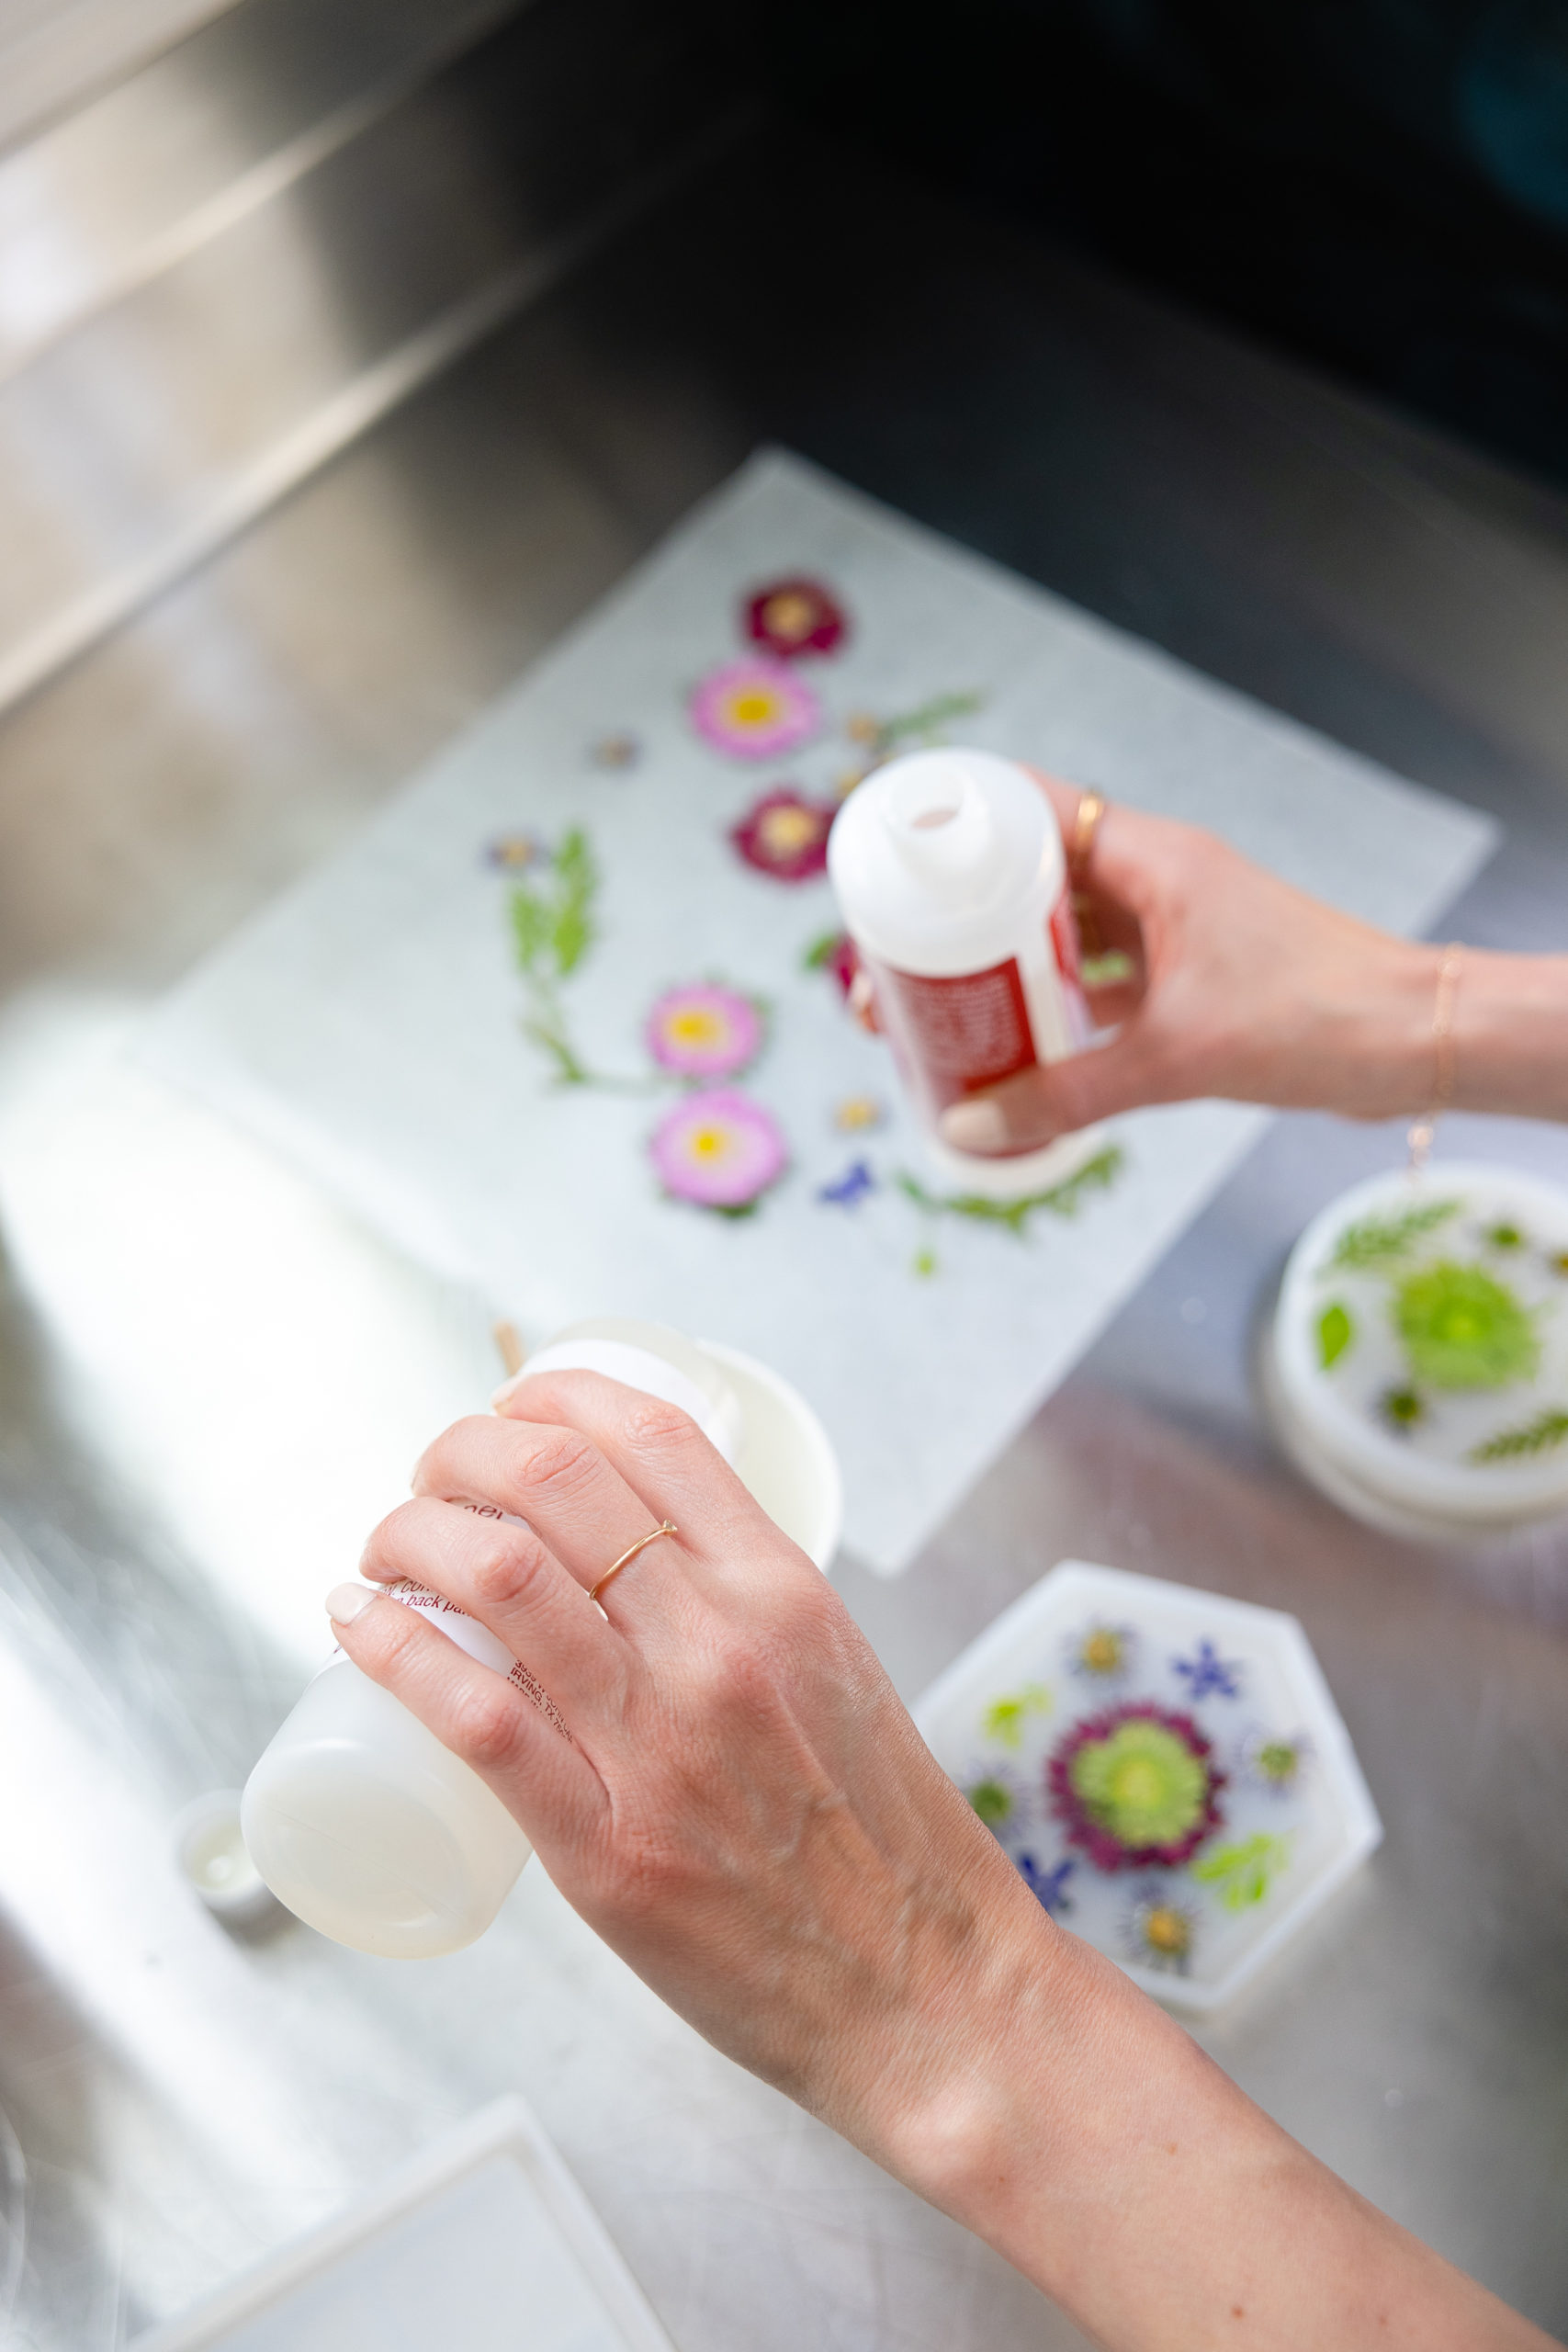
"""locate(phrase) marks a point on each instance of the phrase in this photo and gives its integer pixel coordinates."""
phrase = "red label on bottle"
(960, 1032)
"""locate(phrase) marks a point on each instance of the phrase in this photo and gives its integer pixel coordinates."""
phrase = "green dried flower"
(992, 1800)
(1403, 1407)
(1143, 1783)
(1505, 1237)
(1461, 1329)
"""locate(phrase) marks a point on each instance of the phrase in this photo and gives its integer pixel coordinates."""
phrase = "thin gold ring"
(630, 1552)
(1091, 808)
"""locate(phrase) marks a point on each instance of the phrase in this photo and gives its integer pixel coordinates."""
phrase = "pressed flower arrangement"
(1418, 1365)
(726, 1152)
(1164, 1768)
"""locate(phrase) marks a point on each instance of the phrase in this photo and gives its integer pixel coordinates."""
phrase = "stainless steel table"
(212, 1380)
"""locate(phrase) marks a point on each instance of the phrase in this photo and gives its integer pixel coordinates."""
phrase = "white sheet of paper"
(370, 1022)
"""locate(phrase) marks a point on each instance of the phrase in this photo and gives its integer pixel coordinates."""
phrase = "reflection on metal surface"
(183, 151)
(176, 1497)
(262, 332)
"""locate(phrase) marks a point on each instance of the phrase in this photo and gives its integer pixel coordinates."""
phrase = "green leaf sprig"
(1066, 1198)
(553, 929)
(1547, 1428)
(1380, 1240)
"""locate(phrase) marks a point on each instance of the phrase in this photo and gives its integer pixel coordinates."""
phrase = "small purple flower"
(852, 1187)
(1048, 1887)
(755, 708)
(704, 1031)
(720, 1150)
(1207, 1674)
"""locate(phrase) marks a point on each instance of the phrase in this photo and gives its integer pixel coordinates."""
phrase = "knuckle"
(486, 1724)
(557, 1464)
(505, 1565)
(652, 1426)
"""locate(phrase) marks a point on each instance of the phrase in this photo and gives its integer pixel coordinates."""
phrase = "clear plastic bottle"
(952, 881)
(356, 1816)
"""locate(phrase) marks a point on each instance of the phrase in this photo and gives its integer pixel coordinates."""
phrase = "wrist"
(1389, 1068)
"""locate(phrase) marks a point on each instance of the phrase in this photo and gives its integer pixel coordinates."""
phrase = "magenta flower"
(704, 1031)
(718, 1149)
(785, 835)
(795, 617)
(1135, 1787)
(755, 708)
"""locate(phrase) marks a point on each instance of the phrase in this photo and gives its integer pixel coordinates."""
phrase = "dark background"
(1380, 185)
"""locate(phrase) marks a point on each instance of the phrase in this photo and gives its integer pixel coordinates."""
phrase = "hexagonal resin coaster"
(1418, 1364)
(1165, 1767)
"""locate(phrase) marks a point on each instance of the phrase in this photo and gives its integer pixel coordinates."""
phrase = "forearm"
(1095, 2145)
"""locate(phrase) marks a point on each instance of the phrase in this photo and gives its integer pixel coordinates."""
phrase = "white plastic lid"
(932, 855)
(660, 1362)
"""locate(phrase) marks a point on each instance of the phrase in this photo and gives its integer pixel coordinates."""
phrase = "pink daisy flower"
(704, 1031)
(785, 835)
(718, 1149)
(755, 708)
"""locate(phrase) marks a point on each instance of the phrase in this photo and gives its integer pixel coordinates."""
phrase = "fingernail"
(507, 1390)
(975, 1125)
(345, 1600)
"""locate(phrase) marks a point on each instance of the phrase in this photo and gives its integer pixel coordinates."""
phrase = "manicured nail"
(975, 1125)
(345, 1600)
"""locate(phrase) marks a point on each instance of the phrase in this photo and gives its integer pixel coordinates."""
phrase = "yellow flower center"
(1164, 1930)
(710, 1143)
(790, 615)
(1102, 1651)
(753, 707)
(1137, 1783)
(696, 1026)
(787, 828)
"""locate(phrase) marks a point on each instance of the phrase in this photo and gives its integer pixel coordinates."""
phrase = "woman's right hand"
(1234, 984)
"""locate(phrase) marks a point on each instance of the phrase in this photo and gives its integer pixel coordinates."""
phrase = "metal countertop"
(212, 1382)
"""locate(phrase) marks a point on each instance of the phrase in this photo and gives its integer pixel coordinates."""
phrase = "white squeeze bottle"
(356, 1816)
(952, 880)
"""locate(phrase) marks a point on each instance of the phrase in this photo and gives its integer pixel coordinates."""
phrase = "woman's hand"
(743, 1808)
(1237, 985)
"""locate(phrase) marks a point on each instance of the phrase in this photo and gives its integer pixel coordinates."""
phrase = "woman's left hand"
(744, 1809)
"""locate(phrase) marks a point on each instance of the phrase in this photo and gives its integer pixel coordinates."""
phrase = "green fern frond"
(1547, 1428)
(1380, 1240)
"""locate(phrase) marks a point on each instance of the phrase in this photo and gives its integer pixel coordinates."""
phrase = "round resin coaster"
(1165, 1767)
(1418, 1364)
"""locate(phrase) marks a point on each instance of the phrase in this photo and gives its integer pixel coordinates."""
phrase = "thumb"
(1050, 1100)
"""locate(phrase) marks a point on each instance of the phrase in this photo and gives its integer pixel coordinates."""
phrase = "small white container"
(360, 1820)
(952, 883)
(1361, 1415)
(211, 1850)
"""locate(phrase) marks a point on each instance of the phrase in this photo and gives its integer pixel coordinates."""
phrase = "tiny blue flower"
(1048, 1887)
(852, 1186)
(1207, 1674)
